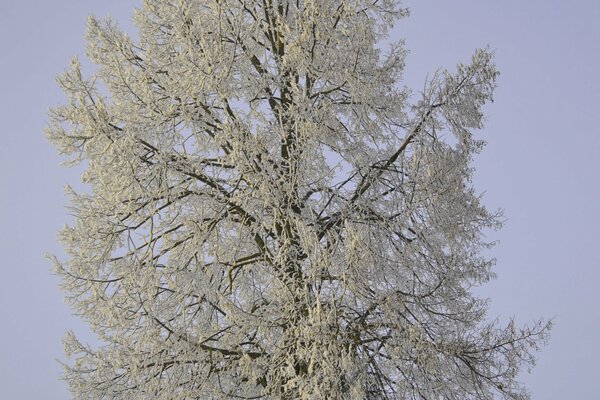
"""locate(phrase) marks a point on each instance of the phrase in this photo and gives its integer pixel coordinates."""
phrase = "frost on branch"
(272, 216)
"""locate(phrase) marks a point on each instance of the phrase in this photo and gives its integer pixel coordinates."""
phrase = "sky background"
(541, 166)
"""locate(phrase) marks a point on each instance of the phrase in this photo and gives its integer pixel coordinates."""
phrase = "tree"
(272, 216)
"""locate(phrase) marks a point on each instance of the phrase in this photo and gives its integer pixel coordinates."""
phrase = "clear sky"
(541, 166)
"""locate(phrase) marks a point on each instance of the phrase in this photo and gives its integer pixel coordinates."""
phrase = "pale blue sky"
(541, 166)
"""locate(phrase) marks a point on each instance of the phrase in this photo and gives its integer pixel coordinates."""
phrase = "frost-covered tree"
(271, 215)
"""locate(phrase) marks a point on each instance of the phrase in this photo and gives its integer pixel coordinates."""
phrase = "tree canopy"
(273, 215)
